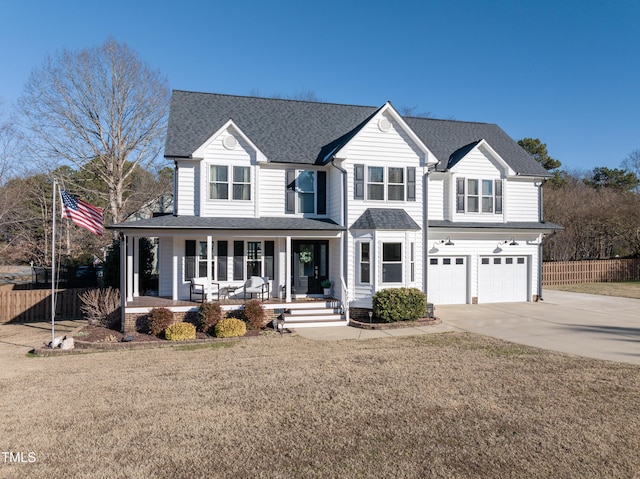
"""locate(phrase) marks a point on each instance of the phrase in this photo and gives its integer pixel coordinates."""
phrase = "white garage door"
(502, 279)
(447, 280)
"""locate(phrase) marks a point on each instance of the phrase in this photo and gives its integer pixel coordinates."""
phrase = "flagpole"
(53, 267)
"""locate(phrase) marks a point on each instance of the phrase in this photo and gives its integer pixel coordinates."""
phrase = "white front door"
(447, 280)
(503, 279)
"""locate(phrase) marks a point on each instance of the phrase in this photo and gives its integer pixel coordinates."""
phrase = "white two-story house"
(301, 192)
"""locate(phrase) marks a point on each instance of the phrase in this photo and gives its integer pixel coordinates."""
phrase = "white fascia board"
(199, 153)
(430, 158)
(486, 149)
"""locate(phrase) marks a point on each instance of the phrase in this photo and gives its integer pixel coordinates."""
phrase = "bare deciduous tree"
(100, 106)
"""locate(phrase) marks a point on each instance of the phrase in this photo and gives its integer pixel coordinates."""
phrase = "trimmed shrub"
(180, 331)
(158, 320)
(399, 304)
(255, 314)
(230, 328)
(209, 313)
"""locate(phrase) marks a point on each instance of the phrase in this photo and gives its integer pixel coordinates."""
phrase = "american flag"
(82, 213)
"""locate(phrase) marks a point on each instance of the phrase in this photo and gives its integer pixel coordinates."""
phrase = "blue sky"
(564, 71)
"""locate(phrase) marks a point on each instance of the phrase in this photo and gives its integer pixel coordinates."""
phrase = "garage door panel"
(502, 279)
(448, 282)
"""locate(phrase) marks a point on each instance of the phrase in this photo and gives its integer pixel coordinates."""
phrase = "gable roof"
(385, 219)
(292, 131)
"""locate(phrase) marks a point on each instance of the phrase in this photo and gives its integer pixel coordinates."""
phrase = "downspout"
(343, 221)
(425, 241)
(175, 187)
(540, 254)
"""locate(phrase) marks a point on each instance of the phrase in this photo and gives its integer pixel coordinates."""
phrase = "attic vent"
(229, 142)
(384, 125)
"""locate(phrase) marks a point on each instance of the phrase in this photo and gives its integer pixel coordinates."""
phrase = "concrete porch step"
(314, 314)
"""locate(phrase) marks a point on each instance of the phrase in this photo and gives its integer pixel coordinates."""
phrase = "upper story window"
(219, 183)
(478, 196)
(306, 192)
(384, 183)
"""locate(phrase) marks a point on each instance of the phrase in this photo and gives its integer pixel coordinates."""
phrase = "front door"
(310, 265)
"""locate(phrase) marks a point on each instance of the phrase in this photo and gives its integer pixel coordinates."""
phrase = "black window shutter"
(189, 259)
(460, 195)
(290, 192)
(322, 193)
(222, 260)
(238, 260)
(411, 183)
(269, 247)
(358, 185)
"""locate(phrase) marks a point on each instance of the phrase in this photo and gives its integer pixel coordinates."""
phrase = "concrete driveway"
(602, 327)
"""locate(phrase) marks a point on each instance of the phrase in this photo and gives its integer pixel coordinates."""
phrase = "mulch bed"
(377, 324)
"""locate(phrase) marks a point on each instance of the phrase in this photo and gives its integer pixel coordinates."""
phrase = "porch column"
(136, 266)
(174, 274)
(287, 262)
(129, 241)
(209, 267)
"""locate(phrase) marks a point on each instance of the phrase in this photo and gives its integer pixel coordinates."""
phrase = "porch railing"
(345, 299)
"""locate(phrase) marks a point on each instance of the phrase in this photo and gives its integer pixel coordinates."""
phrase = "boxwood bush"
(399, 304)
(180, 332)
(230, 328)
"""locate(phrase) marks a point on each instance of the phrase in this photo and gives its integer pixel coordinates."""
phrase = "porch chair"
(255, 285)
(200, 286)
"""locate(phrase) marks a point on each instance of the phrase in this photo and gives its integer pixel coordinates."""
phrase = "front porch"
(302, 312)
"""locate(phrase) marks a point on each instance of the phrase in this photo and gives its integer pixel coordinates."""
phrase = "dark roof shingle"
(291, 131)
(385, 219)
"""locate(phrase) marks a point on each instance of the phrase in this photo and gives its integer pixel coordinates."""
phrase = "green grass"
(626, 289)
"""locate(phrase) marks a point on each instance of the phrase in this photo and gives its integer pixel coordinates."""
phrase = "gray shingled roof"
(291, 131)
(204, 223)
(385, 219)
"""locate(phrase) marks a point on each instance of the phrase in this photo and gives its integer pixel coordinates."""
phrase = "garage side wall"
(482, 270)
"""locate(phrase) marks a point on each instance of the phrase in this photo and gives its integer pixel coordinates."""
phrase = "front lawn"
(627, 289)
(437, 405)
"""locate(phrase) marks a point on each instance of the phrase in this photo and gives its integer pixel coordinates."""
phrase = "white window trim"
(315, 192)
(480, 196)
(229, 182)
(401, 262)
(385, 184)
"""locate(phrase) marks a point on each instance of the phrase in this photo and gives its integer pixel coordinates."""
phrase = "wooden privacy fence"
(596, 271)
(32, 305)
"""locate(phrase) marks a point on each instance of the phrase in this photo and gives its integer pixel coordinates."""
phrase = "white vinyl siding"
(390, 149)
(437, 200)
(476, 167)
(272, 191)
(475, 245)
(186, 181)
(521, 200)
(240, 162)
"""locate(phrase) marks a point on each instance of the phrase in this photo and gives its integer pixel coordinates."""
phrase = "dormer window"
(219, 183)
(478, 196)
(379, 183)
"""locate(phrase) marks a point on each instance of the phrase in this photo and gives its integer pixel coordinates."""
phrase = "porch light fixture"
(447, 242)
(513, 242)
